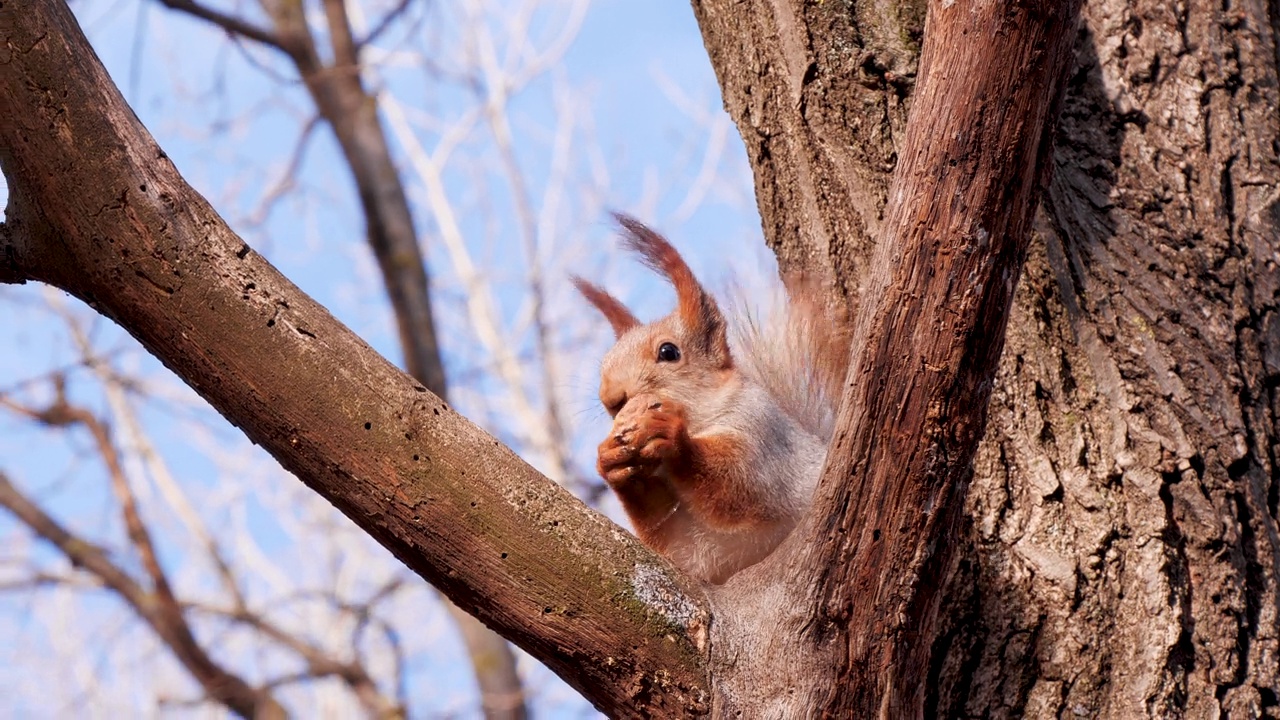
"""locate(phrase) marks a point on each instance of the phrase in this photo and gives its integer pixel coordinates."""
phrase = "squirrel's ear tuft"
(613, 310)
(696, 308)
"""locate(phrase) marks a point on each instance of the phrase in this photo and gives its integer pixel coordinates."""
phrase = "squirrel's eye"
(668, 352)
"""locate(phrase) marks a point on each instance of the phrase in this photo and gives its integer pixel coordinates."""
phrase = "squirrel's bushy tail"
(797, 347)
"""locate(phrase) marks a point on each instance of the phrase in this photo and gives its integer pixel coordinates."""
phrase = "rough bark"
(865, 569)
(1125, 537)
(1120, 547)
(819, 93)
(97, 209)
(891, 494)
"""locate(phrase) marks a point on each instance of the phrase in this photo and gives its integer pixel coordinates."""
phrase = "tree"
(1120, 485)
(1119, 551)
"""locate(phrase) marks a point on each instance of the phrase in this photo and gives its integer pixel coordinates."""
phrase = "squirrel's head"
(682, 356)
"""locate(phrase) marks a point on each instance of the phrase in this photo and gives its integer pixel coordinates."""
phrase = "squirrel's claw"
(647, 433)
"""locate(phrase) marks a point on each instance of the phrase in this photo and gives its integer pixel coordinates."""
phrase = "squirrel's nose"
(614, 402)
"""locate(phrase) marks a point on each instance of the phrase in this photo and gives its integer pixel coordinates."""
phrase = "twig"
(165, 619)
(383, 24)
(287, 181)
(319, 662)
(232, 25)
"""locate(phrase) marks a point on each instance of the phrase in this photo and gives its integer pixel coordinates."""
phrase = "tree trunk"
(1125, 544)
(1120, 548)
(862, 575)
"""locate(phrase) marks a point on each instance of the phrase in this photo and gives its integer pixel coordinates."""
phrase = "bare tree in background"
(148, 590)
(1123, 511)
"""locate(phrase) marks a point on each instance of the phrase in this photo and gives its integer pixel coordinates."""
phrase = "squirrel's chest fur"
(783, 462)
(785, 457)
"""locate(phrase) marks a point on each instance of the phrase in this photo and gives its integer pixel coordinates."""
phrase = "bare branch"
(319, 662)
(62, 414)
(340, 35)
(232, 25)
(556, 443)
(386, 22)
(480, 302)
(221, 685)
(288, 178)
(38, 580)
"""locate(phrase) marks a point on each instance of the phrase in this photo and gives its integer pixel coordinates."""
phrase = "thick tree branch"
(340, 96)
(164, 617)
(99, 210)
(928, 341)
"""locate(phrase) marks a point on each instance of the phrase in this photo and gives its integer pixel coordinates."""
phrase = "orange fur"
(695, 307)
(716, 448)
(619, 317)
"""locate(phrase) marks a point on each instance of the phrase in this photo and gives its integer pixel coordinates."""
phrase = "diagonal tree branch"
(116, 225)
(343, 102)
(929, 337)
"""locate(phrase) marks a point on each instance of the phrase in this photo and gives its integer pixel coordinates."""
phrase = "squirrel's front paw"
(646, 433)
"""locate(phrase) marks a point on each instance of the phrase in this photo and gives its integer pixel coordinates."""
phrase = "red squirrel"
(720, 428)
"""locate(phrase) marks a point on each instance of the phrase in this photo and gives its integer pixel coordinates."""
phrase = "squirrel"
(720, 428)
